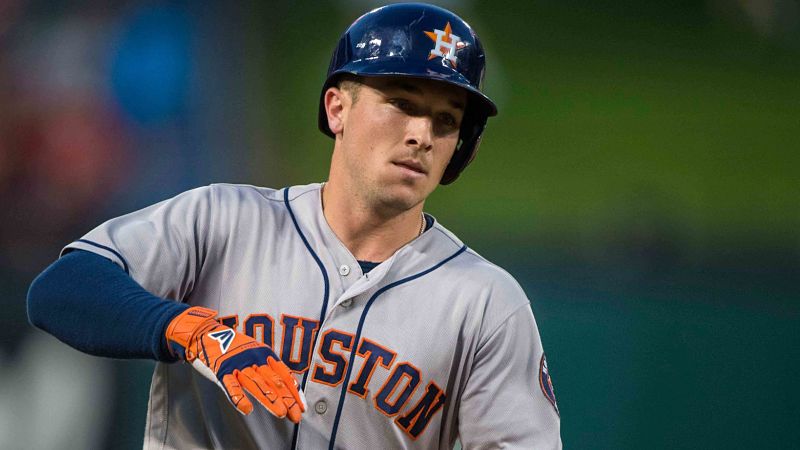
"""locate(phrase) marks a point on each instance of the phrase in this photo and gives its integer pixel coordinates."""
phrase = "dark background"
(641, 181)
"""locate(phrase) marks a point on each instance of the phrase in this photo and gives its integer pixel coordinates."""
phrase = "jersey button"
(347, 303)
(344, 270)
(321, 407)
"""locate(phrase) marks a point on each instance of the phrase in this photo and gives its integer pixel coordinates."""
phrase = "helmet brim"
(478, 102)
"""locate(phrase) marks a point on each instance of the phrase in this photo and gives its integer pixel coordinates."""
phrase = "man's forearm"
(90, 303)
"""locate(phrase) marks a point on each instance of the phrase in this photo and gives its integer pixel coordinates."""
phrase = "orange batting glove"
(236, 362)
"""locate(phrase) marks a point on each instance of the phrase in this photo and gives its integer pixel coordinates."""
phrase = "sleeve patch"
(546, 383)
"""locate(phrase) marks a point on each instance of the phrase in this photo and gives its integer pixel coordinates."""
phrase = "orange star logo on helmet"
(445, 44)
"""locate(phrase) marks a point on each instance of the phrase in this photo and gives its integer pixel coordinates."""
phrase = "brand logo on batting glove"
(224, 337)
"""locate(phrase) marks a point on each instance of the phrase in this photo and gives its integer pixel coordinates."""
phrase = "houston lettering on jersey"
(390, 399)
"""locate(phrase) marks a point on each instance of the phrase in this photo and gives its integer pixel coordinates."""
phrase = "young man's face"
(397, 138)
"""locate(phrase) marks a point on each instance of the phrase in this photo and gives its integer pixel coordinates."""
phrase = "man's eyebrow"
(457, 104)
(408, 87)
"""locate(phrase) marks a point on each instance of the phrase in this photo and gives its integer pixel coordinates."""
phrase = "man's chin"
(400, 199)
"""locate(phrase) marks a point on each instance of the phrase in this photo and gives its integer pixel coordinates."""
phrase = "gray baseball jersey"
(432, 345)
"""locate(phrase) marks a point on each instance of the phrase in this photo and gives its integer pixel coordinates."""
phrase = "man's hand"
(236, 362)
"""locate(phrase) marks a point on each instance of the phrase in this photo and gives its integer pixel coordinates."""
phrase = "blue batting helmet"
(421, 41)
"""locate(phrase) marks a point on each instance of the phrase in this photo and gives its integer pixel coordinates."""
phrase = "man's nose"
(420, 133)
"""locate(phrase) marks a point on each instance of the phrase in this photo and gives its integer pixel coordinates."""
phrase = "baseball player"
(334, 315)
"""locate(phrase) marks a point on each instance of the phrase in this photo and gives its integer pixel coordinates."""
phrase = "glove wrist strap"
(182, 330)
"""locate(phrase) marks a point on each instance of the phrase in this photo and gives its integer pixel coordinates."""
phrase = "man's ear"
(335, 101)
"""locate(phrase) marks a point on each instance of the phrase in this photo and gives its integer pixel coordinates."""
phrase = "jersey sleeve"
(505, 403)
(162, 247)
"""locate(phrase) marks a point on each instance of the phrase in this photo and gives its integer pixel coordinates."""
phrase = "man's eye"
(448, 120)
(403, 104)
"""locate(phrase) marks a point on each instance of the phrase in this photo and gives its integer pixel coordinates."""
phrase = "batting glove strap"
(186, 327)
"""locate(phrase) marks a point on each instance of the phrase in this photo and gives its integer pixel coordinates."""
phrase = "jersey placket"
(347, 290)
(345, 315)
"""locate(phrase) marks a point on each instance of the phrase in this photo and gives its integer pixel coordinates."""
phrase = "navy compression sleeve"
(90, 303)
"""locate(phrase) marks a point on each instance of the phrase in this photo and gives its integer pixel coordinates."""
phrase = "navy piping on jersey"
(367, 266)
(324, 297)
(343, 395)
(109, 249)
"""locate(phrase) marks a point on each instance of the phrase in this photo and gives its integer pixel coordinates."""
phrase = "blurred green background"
(641, 181)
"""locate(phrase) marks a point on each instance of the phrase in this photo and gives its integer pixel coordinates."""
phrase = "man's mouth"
(412, 165)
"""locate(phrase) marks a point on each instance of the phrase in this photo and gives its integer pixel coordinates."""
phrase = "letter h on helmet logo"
(444, 40)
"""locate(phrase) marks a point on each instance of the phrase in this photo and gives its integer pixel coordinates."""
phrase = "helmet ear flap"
(472, 126)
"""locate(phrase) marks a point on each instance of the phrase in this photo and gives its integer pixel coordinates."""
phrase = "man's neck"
(367, 234)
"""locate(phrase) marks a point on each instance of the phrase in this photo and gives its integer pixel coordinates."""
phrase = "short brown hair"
(350, 84)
